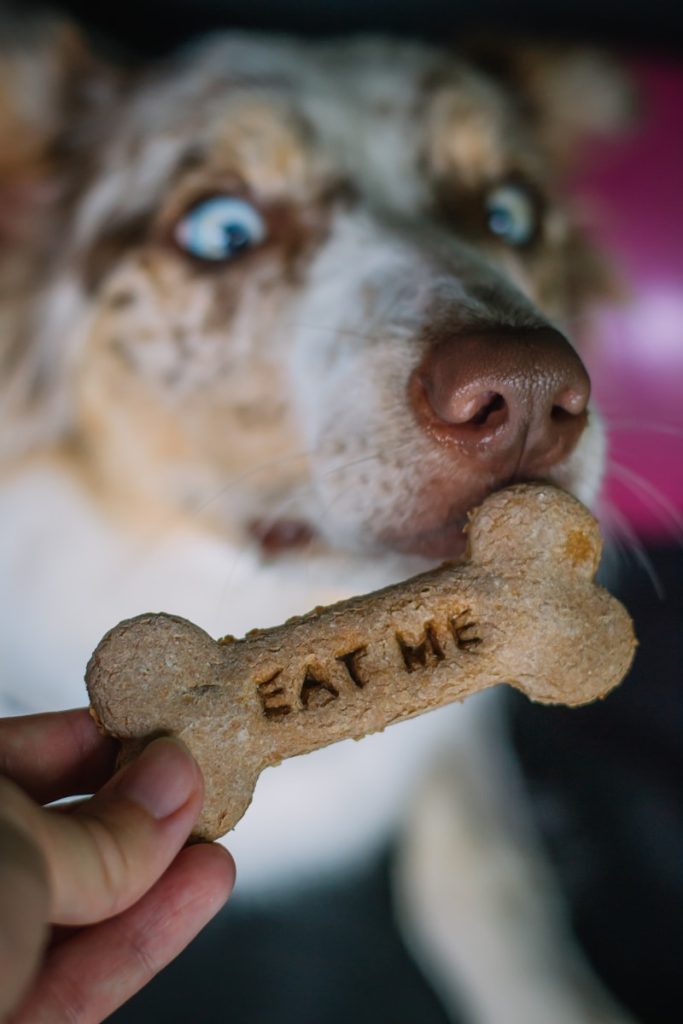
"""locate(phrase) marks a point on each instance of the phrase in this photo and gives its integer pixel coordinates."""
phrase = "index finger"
(55, 754)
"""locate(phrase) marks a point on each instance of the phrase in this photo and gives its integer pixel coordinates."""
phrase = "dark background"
(152, 26)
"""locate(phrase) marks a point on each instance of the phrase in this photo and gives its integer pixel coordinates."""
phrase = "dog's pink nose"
(514, 400)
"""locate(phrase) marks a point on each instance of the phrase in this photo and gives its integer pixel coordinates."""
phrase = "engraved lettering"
(350, 662)
(270, 695)
(316, 692)
(461, 626)
(423, 653)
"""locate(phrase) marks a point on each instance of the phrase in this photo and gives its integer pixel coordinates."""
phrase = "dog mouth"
(279, 536)
(446, 541)
(442, 533)
(282, 536)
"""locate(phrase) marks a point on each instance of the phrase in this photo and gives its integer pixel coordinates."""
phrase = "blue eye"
(220, 228)
(511, 214)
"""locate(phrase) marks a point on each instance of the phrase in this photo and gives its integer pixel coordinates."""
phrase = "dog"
(275, 315)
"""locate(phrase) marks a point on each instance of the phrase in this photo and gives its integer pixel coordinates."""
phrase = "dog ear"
(572, 94)
(578, 95)
(52, 93)
(48, 81)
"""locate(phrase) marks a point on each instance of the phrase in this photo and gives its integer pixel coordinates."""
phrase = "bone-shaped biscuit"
(522, 609)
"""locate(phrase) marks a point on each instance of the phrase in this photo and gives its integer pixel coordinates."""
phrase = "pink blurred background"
(632, 193)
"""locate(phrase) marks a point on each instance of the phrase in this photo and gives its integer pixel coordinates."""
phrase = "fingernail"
(162, 779)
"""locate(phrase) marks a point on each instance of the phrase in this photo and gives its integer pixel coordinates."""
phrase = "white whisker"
(249, 474)
(652, 497)
(637, 550)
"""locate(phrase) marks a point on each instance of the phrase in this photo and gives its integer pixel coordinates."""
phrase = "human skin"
(95, 897)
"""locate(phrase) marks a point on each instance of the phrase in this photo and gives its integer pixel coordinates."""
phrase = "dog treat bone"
(522, 609)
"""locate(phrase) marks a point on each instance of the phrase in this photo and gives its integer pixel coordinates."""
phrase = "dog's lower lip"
(446, 541)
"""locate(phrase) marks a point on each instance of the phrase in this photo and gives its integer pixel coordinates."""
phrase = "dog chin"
(444, 542)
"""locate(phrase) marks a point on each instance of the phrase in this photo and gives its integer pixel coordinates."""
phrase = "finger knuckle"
(145, 953)
(64, 996)
(140, 939)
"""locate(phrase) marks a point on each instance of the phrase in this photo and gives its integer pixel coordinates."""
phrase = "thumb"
(104, 855)
(24, 902)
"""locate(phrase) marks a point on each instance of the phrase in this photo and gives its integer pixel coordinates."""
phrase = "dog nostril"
(570, 402)
(465, 408)
(493, 404)
(560, 416)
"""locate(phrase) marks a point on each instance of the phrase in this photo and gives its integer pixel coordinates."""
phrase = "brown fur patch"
(109, 247)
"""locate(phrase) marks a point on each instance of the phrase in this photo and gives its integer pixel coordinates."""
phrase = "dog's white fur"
(191, 421)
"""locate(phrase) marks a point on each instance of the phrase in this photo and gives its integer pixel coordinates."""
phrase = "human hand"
(109, 870)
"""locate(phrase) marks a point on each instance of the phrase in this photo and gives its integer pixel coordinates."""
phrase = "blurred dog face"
(314, 290)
